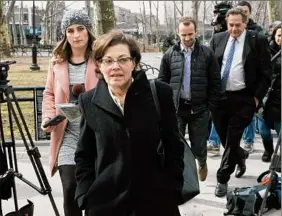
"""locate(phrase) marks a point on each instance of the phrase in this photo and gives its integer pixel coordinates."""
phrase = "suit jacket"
(256, 60)
(116, 157)
(56, 92)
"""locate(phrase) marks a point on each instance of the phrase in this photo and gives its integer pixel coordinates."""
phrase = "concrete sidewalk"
(205, 204)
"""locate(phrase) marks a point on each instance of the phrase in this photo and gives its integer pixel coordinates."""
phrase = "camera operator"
(269, 115)
(220, 11)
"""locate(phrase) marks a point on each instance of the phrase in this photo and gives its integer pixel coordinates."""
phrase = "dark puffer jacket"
(205, 76)
(272, 109)
(255, 27)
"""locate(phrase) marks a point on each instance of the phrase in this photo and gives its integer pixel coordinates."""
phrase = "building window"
(25, 18)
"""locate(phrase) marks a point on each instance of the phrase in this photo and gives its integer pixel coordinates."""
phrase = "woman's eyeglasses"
(120, 61)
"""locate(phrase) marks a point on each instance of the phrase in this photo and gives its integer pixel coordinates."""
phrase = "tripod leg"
(10, 154)
(274, 163)
(33, 152)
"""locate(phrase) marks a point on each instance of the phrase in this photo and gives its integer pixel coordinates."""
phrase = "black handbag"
(190, 187)
(26, 210)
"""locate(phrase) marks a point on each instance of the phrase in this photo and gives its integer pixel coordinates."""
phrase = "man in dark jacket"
(249, 132)
(193, 73)
(244, 58)
(246, 7)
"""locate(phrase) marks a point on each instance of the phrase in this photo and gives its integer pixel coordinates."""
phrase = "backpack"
(246, 201)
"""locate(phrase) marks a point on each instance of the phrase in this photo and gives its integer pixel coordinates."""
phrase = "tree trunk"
(204, 20)
(274, 8)
(150, 23)
(104, 16)
(55, 21)
(157, 26)
(196, 7)
(166, 21)
(45, 29)
(14, 30)
(144, 27)
(4, 37)
(174, 19)
(21, 28)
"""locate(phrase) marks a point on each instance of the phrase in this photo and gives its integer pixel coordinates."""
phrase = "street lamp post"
(34, 65)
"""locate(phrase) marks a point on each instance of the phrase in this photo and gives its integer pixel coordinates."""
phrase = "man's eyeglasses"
(120, 61)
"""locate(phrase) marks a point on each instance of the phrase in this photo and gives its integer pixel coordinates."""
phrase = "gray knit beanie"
(72, 17)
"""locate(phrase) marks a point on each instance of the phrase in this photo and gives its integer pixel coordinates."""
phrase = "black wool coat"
(118, 169)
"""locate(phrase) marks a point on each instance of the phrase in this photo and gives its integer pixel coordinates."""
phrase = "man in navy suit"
(244, 58)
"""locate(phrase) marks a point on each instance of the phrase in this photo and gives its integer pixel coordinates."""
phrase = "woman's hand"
(47, 129)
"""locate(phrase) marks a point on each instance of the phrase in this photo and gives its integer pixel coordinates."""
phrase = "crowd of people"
(107, 158)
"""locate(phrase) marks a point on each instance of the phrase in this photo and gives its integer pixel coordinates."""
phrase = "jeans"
(248, 135)
(249, 132)
(214, 138)
(265, 130)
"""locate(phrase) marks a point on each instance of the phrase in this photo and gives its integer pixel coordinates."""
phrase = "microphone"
(76, 90)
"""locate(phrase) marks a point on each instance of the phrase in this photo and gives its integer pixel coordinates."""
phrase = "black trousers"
(197, 129)
(235, 113)
(67, 174)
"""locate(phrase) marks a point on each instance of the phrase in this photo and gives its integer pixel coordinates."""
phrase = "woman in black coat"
(118, 170)
(270, 114)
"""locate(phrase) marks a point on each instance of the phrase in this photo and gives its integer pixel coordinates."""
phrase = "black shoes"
(241, 169)
(221, 189)
(268, 150)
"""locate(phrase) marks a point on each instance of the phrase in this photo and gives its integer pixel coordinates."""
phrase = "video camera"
(219, 12)
(4, 68)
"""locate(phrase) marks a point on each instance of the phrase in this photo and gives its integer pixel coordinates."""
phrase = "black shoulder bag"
(190, 187)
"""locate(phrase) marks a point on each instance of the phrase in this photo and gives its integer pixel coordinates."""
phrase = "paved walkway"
(205, 204)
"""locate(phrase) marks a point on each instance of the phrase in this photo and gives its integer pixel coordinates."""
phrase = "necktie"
(228, 64)
(187, 73)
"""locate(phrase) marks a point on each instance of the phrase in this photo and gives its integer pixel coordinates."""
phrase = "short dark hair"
(113, 38)
(187, 21)
(245, 3)
(236, 11)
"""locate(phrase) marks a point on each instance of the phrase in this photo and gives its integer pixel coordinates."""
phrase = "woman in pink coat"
(70, 66)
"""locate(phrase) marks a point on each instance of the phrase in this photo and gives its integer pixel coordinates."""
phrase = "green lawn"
(21, 76)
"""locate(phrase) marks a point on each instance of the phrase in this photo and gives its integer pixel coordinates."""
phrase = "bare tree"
(166, 17)
(14, 30)
(144, 25)
(178, 10)
(157, 25)
(21, 27)
(182, 8)
(45, 30)
(150, 22)
(195, 8)
(174, 17)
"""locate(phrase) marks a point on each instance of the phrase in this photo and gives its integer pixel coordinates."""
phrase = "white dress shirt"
(236, 78)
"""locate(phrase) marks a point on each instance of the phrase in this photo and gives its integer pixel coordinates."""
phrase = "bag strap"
(160, 149)
(155, 97)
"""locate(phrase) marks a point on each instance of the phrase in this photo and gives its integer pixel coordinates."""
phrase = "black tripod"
(275, 163)
(7, 96)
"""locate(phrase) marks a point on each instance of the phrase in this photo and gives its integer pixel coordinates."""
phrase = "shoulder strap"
(155, 97)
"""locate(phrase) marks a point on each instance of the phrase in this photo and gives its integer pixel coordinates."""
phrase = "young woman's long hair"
(63, 52)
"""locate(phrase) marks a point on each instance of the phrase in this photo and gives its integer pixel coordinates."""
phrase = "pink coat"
(57, 92)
